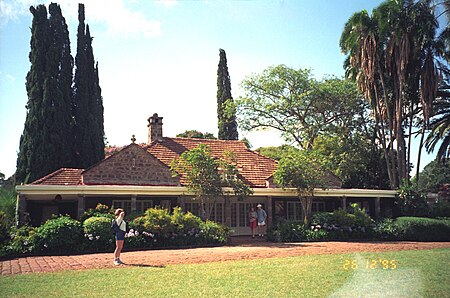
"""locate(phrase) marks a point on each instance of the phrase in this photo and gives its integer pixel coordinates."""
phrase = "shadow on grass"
(144, 265)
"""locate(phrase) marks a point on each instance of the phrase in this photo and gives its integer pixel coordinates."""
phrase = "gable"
(130, 166)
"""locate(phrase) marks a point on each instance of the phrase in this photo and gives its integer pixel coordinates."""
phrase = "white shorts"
(263, 223)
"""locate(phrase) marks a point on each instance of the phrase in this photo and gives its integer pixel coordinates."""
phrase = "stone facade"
(132, 165)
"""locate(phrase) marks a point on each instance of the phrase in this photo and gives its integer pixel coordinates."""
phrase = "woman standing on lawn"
(120, 231)
(252, 216)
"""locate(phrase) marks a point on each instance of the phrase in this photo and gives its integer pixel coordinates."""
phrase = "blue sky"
(161, 57)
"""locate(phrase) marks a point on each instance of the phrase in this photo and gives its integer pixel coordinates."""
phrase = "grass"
(421, 273)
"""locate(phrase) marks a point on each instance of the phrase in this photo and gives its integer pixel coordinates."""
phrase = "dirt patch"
(238, 249)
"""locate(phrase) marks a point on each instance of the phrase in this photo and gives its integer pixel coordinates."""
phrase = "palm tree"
(392, 54)
(440, 126)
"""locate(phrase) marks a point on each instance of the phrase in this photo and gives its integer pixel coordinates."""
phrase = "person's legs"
(117, 251)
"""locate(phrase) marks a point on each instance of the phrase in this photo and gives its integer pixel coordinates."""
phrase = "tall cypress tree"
(226, 112)
(87, 101)
(45, 142)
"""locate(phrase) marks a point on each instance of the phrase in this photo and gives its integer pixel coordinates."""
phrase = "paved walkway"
(238, 249)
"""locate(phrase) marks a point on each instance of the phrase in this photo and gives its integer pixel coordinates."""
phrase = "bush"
(424, 229)
(5, 226)
(23, 241)
(159, 228)
(97, 232)
(387, 229)
(213, 233)
(60, 235)
(99, 211)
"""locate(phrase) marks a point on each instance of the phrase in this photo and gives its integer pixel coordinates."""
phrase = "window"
(233, 214)
(143, 205)
(124, 204)
(318, 207)
(294, 211)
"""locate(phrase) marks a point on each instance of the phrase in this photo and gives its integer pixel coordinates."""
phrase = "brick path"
(240, 248)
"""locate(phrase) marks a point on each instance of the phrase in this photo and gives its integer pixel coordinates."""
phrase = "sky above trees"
(162, 56)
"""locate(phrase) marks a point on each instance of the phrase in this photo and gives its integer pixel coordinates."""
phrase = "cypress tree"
(45, 141)
(87, 102)
(226, 112)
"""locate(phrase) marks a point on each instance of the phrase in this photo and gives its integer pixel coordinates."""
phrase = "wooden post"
(269, 211)
(344, 203)
(81, 205)
(133, 203)
(377, 207)
(21, 210)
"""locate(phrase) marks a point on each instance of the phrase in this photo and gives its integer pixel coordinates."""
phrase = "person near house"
(120, 234)
(252, 217)
(261, 218)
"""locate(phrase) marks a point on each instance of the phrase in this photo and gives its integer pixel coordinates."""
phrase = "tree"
(440, 127)
(301, 108)
(301, 170)
(87, 103)
(434, 176)
(355, 160)
(196, 135)
(392, 56)
(276, 152)
(226, 112)
(45, 144)
(206, 176)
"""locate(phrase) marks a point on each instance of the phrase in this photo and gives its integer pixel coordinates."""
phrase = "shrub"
(23, 241)
(160, 228)
(99, 211)
(424, 229)
(60, 235)
(5, 226)
(214, 233)
(387, 229)
(97, 232)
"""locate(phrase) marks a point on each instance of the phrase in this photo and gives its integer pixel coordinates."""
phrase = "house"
(138, 177)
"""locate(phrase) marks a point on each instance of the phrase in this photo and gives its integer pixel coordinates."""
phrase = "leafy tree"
(276, 152)
(45, 144)
(434, 176)
(87, 103)
(300, 107)
(206, 176)
(392, 55)
(301, 170)
(196, 135)
(225, 105)
(356, 160)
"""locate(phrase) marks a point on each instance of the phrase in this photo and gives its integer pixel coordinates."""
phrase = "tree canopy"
(300, 107)
(196, 135)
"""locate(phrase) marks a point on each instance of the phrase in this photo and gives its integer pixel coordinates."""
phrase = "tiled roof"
(63, 176)
(253, 167)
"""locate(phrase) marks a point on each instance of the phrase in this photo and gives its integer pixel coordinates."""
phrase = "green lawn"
(424, 273)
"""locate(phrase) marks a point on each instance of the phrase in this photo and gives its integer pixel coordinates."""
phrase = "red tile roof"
(63, 176)
(253, 167)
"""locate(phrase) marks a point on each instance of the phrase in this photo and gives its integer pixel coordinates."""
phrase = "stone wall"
(132, 165)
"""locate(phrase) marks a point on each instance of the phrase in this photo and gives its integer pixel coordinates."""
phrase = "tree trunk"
(306, 207)
(419, 156)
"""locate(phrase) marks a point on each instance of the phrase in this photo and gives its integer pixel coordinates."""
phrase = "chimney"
(155, 128)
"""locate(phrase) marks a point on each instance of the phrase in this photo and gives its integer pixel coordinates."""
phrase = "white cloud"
(10, 77)
(167, 3)
(119, 19)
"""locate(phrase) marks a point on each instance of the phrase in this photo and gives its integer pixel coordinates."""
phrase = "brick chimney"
(155, 128)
